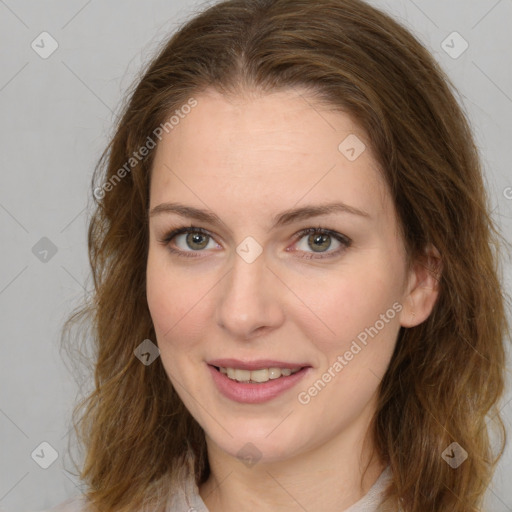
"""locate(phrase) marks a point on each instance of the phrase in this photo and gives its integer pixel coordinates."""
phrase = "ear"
(422, 289)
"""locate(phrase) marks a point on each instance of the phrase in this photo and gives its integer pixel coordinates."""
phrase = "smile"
(255, 382)
(257, 376)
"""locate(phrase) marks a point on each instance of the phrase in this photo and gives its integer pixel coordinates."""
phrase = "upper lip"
(254, 365)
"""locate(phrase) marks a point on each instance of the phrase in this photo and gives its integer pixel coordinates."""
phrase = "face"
(268, 278)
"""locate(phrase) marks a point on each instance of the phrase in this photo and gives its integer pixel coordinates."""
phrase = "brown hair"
(446, 374)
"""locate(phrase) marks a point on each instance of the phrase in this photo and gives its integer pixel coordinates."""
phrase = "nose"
(249, 303)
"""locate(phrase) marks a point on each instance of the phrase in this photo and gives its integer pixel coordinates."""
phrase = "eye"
(189, 240)
(319, 241)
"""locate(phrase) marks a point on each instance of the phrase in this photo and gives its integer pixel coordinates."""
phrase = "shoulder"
(372, 501)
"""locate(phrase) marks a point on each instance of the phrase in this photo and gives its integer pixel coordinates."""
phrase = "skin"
(247, 159)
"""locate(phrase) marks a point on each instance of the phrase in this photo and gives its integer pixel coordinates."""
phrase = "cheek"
(362, 310)
(344, 305)
(175, 303)
(160, 294)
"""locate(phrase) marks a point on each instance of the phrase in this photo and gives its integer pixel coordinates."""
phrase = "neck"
(326, 478)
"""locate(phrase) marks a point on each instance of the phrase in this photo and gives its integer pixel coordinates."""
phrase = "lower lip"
(248, 393)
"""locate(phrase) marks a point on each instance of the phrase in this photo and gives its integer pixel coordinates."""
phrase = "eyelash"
(344, 240)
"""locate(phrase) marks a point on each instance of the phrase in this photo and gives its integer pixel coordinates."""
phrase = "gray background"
(56, 116)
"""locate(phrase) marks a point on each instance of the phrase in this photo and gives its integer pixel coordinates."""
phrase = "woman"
(297, 301)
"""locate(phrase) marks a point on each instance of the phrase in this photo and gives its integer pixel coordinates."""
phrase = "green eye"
(319, 240)
(310, 241)
(196, 241)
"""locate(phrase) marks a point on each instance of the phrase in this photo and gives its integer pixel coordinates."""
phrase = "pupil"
(319, 242)
(195, 238)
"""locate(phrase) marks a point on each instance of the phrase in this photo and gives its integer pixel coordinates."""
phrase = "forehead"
(279, 148)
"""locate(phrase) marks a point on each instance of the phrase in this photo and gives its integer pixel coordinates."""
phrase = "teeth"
(263, 375)
(260, 375)
(274, 373)
(243, 375)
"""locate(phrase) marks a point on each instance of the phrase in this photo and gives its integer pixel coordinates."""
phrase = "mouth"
(256, 376)
(257, 381)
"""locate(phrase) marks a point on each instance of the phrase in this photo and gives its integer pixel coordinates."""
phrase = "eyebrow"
(282, 219)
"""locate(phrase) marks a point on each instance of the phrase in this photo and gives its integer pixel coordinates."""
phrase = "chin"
(257, 445)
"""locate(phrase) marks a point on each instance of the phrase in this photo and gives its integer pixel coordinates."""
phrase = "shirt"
(187, 498)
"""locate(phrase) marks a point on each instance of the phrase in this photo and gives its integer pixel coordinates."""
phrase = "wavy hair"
(446, 375)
